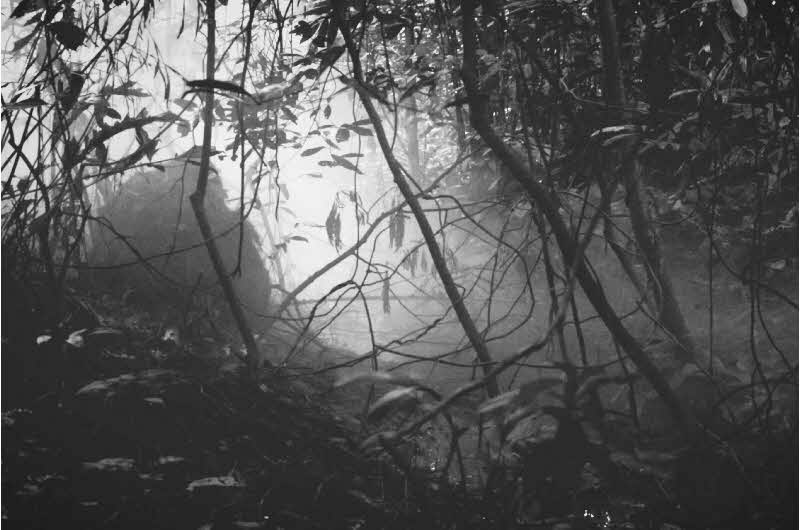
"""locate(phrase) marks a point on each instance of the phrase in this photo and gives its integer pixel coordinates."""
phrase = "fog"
(296, 195)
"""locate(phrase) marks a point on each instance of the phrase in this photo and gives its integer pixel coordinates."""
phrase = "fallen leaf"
(110, 464)
(214, 482)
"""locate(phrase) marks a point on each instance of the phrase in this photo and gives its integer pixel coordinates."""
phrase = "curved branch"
(478, 104)
(197, 199)
(456, 299)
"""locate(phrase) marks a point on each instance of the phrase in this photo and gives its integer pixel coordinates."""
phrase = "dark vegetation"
(153, 215)
(601, 195)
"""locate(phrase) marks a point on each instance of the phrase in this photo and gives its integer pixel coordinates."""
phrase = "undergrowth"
(120, 426)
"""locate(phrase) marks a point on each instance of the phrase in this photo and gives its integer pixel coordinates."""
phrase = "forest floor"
(127, 431)
(116, 427)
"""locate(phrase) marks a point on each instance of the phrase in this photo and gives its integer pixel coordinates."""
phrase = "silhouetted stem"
(450, 287)
(198, 205)
(569, 248)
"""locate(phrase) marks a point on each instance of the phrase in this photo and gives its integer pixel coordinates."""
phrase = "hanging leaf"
(338, 231)
(149, 149)
(125, 89)
(361, 131)
(399, 229)
(327, 112)
(450, 257)
(385, 295)
(101, 151)
(147, 8)
(284, 191)
(112, 113)
(70, 96)
(392, 228)
(219, 112)
(740, 7)
(311, 151)
(208, 85)
(345, 163)
(28, 103)
(23, 41)
(289, 114)
(28, 6)
(304, 30)
(333, 226)
(68, 34)
(299, 238)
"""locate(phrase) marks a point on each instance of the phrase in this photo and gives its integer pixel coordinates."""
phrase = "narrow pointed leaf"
(395, 398)
(311, 151)
(740, 7)
(378, 377)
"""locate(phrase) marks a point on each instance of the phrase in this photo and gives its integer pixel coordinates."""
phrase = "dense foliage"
(597, 199)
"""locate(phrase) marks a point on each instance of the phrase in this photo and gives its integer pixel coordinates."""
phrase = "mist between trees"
(523, 238)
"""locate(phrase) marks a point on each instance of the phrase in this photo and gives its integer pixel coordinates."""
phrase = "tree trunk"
(568, 246)
(198, 205)
(669, 311)
(412, 129)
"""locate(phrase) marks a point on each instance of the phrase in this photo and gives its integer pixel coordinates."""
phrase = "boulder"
(147, 248)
